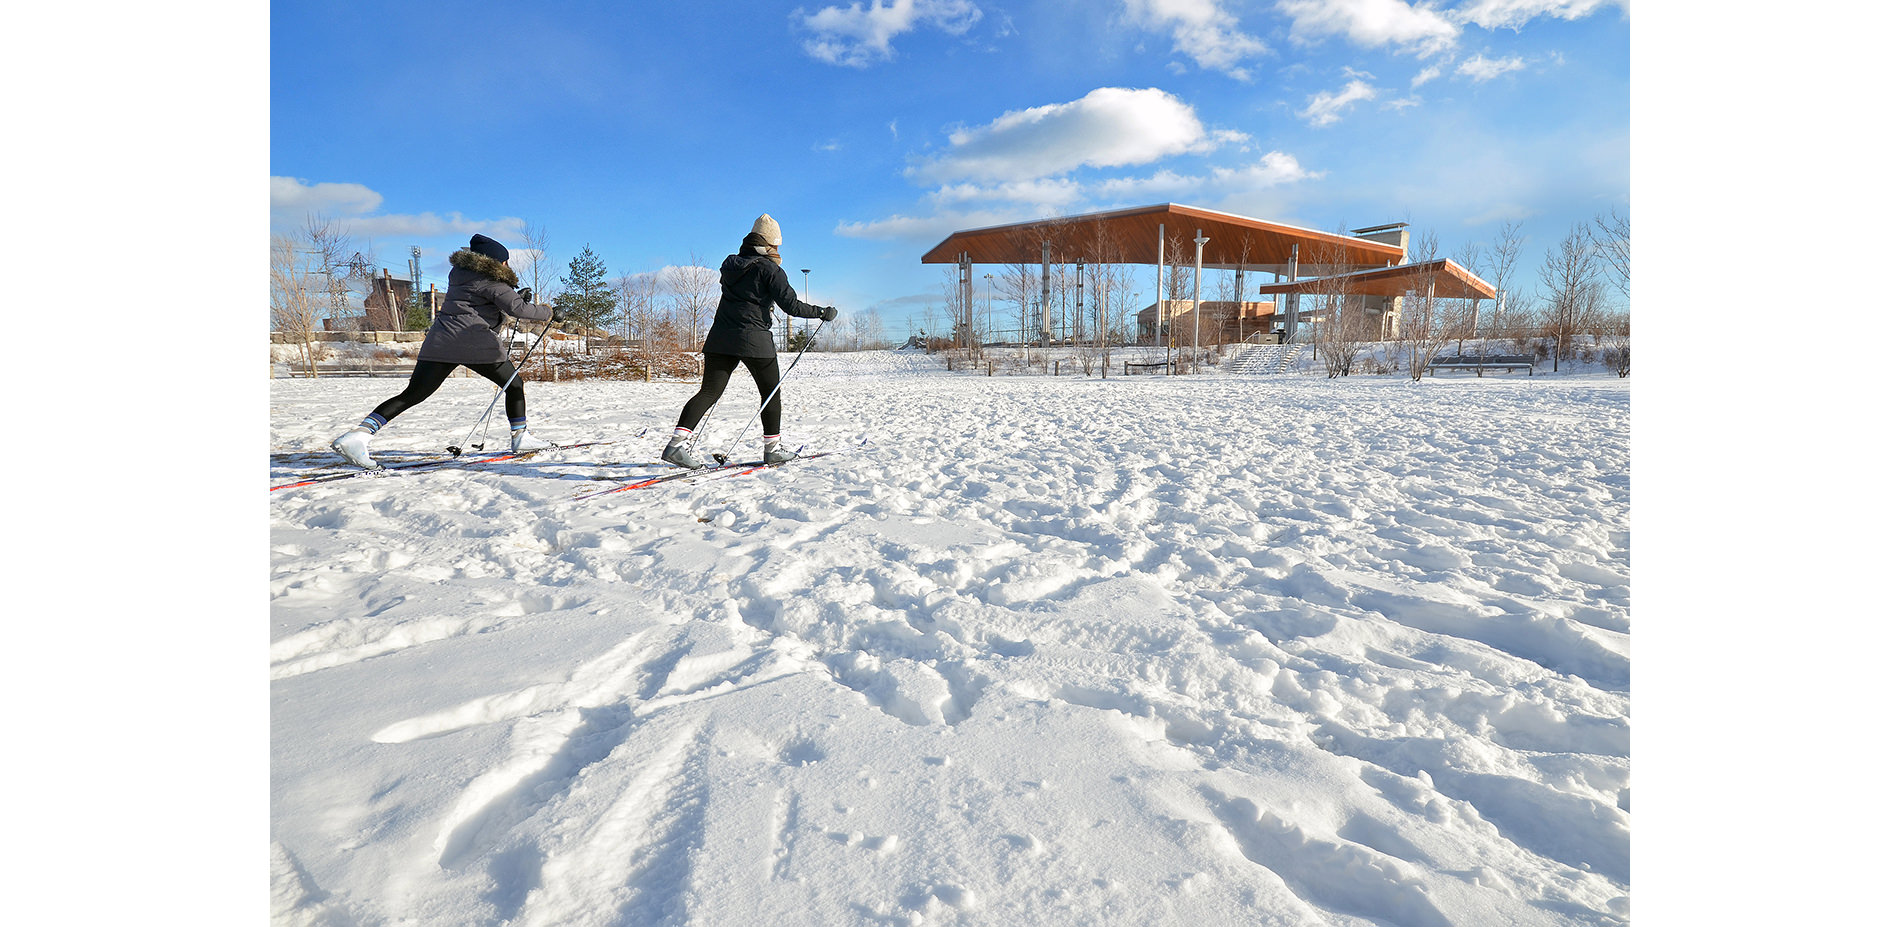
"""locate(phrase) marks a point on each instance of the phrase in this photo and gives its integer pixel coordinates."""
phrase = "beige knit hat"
(766, 227)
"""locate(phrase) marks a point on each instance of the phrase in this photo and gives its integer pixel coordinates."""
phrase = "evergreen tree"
(585, 297)
(417, 319)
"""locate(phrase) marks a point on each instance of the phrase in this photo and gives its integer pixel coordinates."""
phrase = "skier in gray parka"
(466, 333)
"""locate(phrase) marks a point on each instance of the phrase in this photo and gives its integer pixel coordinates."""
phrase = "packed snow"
(1026, 650)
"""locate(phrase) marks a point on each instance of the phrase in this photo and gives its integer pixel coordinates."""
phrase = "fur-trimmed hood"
(477, 263)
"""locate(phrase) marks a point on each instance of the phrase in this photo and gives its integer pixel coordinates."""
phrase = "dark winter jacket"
(749, 285)
(467, 329)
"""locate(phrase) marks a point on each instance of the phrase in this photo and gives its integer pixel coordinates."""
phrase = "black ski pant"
(429, 375)
(719, 368)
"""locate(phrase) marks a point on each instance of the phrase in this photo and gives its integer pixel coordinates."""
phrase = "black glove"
(828, 313)
(559, 317)
(527, 295)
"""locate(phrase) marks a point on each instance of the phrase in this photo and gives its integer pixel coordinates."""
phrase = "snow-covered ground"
(1026, 651)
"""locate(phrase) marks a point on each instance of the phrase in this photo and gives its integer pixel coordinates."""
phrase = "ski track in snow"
(1026, 651)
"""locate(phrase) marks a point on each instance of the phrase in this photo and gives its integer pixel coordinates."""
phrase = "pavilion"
(1366, 262)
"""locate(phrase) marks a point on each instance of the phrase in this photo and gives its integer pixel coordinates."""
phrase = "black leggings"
(430, 374)
(719, 368)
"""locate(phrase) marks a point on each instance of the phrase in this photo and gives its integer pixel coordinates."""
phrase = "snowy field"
(1025, 651)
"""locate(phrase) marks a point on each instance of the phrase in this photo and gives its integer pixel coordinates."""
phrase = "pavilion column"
(1161, 260)
(1293, 297)
(1075, 331)
(1240, 304)
(1045, 293)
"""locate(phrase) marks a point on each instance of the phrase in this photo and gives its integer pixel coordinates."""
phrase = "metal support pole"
(1161, 260)
(968, 297)
(1076, 331)
(1199, 241)
(1240, 303)
(1293, 299)
(1045, 293)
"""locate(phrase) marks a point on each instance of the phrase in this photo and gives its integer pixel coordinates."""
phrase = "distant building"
(385, 292)
(1222, 321)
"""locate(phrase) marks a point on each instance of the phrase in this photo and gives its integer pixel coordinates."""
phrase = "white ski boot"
(775, 453)
(354, 446)
(680, 454)
(521, 442)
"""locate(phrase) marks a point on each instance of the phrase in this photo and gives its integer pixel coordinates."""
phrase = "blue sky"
(655, 132)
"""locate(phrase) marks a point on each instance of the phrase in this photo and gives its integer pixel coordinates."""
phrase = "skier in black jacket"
(750, 283)
(464, 334)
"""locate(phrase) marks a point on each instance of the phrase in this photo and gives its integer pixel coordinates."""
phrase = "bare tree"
(965, 341)
(1423, 328)
(309, 270)
(1344, 326)
(1572, 292)
(1464, 320)
(1104, 283)
(533, 263)
(1178, 283)
(1612, 240)
(1616, 344)
(1234, 289)
(866, 330)
(692, 292)
(292, 305)
(1506, 320)
(637, 300)
(1021, 284)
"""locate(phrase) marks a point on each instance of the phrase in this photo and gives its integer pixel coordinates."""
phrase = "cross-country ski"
(733, 468)
(469, 460)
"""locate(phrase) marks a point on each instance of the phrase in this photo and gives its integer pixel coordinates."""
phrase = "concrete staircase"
(1263, 359)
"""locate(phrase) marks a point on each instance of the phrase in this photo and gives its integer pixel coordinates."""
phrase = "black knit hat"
(482, 244)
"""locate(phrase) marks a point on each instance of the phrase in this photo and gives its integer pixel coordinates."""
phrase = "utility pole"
(415, 280)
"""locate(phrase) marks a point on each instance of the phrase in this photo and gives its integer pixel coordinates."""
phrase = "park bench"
(1129, 365)
(1480, 362)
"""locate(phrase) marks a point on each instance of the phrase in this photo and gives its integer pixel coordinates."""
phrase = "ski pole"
(768, 396)
(455, 450)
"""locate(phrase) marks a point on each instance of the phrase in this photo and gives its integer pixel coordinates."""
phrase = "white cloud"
(1429, 74)
(857, 35)
(1512, 14)
(932, 228)
(1162, 185)
(1202, 30)
(1420, 29)
(1110, 127)
(1273, 169)
(1324, 109)
(290, 196)
(1480, 68)
(430, 225)
(352, 207)
(1047, 194)
(1020, 200)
